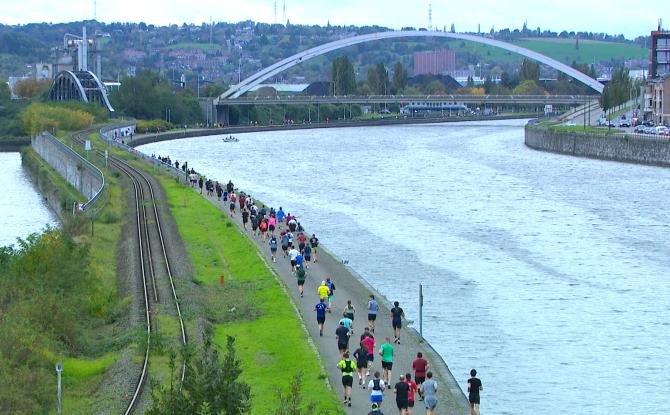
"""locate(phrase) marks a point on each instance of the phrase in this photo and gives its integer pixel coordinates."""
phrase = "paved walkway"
(349, 287)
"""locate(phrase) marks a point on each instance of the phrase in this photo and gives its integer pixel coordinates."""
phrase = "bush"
(152, 126)
(40, 117)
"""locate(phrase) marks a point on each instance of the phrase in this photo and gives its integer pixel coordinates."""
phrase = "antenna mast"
(430, 16)
(95, 10)
(275, 11)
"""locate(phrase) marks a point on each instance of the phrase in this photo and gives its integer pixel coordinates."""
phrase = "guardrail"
(106, 134)
(597, 132)
(63, 170)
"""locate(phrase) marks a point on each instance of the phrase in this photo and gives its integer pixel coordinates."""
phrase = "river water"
(546, 273)
(22, 209)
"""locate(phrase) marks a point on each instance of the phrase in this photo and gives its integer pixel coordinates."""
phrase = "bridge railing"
(115, 134)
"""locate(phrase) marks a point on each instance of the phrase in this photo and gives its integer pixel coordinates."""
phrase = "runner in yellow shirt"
(347, 366)
(323, 291)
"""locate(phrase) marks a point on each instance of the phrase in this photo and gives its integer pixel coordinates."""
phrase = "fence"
(74, 168)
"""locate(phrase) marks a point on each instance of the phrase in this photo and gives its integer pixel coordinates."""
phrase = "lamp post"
(59, 370)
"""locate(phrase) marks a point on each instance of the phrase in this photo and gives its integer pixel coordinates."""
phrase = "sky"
(614, 16)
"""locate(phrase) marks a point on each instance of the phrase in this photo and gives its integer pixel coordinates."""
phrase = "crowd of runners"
(278, 228)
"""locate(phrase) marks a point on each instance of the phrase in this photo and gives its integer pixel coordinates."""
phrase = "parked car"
(649, 123)
(661, 130)
(624, 123)
(640, 129)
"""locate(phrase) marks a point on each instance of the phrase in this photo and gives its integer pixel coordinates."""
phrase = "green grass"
(581, 129)
(193, 45)
(270, 339)
(563, 50)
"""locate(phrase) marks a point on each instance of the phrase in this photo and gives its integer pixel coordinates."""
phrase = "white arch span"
(255, 79)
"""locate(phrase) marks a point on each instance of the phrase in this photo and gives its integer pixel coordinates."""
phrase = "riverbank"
(653, 151)
(141, 139)
(12, 145)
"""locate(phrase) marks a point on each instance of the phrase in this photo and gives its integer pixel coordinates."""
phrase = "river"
(22, 209)
(546, 273)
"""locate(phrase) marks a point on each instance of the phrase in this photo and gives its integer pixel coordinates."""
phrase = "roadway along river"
(547, 273)
(22, 209)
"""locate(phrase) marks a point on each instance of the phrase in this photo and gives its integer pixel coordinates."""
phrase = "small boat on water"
(230, 139)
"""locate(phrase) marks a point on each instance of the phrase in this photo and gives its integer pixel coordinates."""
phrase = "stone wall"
(630, 149)
(77, 171)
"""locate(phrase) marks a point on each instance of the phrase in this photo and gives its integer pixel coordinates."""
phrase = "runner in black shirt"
(401, 391)
(474, 386)
(245, 218)
(396, 320)
(342, 334)
(314, 243)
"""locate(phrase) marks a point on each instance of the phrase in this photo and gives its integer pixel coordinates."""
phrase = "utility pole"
(59, 370)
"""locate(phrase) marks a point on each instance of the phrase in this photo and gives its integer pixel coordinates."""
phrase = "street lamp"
(59, 370)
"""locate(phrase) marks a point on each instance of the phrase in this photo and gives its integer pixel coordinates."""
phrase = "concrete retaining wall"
(653, 151)
(77, 171)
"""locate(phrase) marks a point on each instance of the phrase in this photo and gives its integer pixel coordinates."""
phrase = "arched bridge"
(255, 79)
(79, 85)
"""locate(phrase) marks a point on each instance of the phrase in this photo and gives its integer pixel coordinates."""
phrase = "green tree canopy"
(343, 77)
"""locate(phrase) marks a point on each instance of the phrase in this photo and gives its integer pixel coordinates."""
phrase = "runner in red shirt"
(410, 395)
(420, 366)
(369, 343)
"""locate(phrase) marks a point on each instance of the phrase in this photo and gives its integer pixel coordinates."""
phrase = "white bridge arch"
(255, 79)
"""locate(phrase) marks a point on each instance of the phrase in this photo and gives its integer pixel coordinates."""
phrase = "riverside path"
(349, 287)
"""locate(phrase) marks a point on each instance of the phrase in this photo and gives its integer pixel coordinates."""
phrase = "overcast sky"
(613, 16)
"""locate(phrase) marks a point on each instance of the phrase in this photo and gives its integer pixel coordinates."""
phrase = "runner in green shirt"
(347, 366)
(386, 352)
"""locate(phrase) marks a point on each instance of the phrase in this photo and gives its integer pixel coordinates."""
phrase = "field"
(589, 51)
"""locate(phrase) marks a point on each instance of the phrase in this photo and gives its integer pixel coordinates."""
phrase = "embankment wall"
(652, 151)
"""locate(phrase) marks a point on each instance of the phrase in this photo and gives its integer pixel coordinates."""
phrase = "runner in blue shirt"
(280, 215)
(320, 309)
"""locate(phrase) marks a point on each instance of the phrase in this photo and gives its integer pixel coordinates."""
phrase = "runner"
(361, 355)
(377, 387)
(474, 387)
(301, 241)
(292, 224)
(273, 248)
(245, 218)
(272, 222)
(331, 287)
(320, 309)
(293, 254)
(301, 276)
(396, 320)
(401, 391)
(233, 199)
(299, 260)
(369, 342)
(347, 367)
(284, 243)
(241, 200)
(308, 255)
(375, 410)
(200, 183)
(348, 323)
(280, 215)
(219, 191)
(342, 335)
(314, 243)
(410, 397)
(373, 309)
(254, 225)
(429, 392)
(230, 187)
(349, 310)
(386, 352)
(322, 290)
(420, 366)
(263, 227)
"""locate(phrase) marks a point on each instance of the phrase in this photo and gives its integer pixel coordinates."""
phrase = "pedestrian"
(241, 200)
(273, 248)
(396, 320)
(254, 225)
(200, 182)
(349, 310)
(284, 243)
(219, 191)
(230, 187)
(429, 392)
(410, 396)
(347, 366)
(348, 323)
(331, 293)
(299, 260)
(245, 218)
(314, 243)
(474, 386)
(263, 227)
(320, 309)
(293, 255)
(420, 366)
(301, 242)
(300, 275)
(308, 255)
(225, 196)
(322, 290)
(375, 410)
(369, 343)
(361, 355)
(272, 222)
(280, 215)
(373, 309)
(377, 387)
(386, 352)
(342, 335)
(401, 391)
(231, 204)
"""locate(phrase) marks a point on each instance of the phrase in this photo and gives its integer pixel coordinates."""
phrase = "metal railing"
(97, 195)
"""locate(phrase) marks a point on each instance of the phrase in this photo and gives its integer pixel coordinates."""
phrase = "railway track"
(153, 259)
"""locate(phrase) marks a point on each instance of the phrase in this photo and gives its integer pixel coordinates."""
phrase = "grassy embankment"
(252, 306)
(97, 339)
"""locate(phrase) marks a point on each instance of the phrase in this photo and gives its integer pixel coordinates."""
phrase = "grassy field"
(563, 50)
(252, 306)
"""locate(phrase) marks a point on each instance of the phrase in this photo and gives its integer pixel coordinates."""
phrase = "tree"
(383, 77)
(29, 88)
(399, 77)
(291, 401)
(343, 76)
(529, 71)
(488, 84)
(528, 87)
(211, 386)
